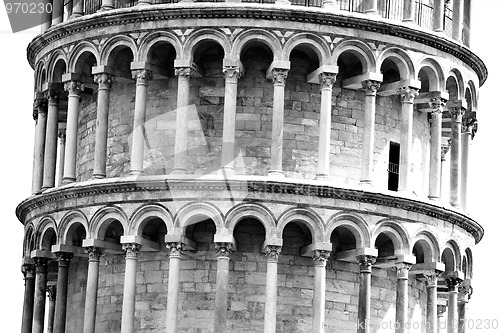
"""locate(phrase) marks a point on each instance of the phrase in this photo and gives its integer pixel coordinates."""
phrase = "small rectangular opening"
(393, 168)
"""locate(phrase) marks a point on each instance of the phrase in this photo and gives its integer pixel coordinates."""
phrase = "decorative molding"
(223, 249)
(326, 80)
(408, 94)
(131, 250)
(437, 105)
(74, 87)
(142, 75)
(272, 253)
(456, 114)
(28, 271)
(104, 80)
(279, 76)
(365, 263)
(320, 256)
(64, 258)
(94, 253)
(370, 86)
(431, 278)
(232, 73)
(184, 71)
(175, 249)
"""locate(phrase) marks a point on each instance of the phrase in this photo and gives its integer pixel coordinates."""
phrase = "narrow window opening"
(393, 169)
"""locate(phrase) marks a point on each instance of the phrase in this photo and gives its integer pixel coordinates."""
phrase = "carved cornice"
(205, 11)
(251, 186)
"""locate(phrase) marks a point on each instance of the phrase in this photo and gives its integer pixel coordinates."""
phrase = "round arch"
(431, 245)
(256, 211)
(473, 92)
(40, 75)
(318, 45)
(397, 234)
(147, 212)
(46, 224)
(458, 78)
(354, 223)
(308, 217)
(468, 255)
(194, 212)
(103, 218)
(78, 52)
(401, 59)
(157, 37)
(434, 72)
(113, 43)
(28, 242)
(362, 51)
(69, 221)
(55, 58)
(451, 246)
(201, 36)
(257, 35)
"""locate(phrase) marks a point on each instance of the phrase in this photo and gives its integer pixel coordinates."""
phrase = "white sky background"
(16, 149)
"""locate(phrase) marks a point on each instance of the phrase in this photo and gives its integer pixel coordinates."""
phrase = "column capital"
(223, 249)
(437, 105)
(452, 283)
(61, 133)
(104, 80)
(441, 309)
(63, 258)
(41, 263)
(51, 293)
(94, 253)
(52, 95)
(320, 256)
(279, 76)
(366, 262)
(184, 71)
(74, 87)
(142, 75)
(28, 271)
(131, 250)
(370, 87)
(175, 248)
(39, 106)
(233, 73)
(431, 277)
(326, 79)
(407, 94)
(469, 125)
(272, 252)
(465, 291)
(402, 270)
(445, 147)
(456, 114)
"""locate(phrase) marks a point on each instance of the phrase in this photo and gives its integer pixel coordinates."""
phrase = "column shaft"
(39, 149)
(462, 317)
(365, 274)
(50, 154)
(51, 293)
(29, 297)
(456, 155)
(409, 11)
(371, 7)
(104, 80)
(142, 76)
(452, 305)
(432, 310)
(106, 5)
(57, 11)
(181, 120)
(91, 293)
(73, 89)
(467, 135)
(279, 78)
(62, 148)
(230, 93)
(173, 287)
(407, 94)
(458, 20)
(63, 259)
(77, 9)
(370, 87)
(438, 16)
(46, 17)
(129, 287)
(272, 253)
(325, 122)
(221, 287)
(40, 294)
(320, 257)
(402, 297)
(435, 151)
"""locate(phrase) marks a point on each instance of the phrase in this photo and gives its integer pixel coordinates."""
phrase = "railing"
(393, 168)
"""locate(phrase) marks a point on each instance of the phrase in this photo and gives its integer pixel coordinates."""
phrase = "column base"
(135, 172)
(68, 180)
(366, 182)
(143, 3)
(45, 188)
(276, 173)
(104, 8)
(371, 12)
(411, 21)
(98, 176)
(434, 198)
(406, 192)
(283, 2)
(322, 176)
(75, 15)
(178, 171)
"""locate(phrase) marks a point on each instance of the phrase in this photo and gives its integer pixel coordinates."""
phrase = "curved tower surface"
(251, 166)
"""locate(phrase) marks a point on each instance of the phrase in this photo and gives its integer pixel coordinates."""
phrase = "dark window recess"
(393, 168)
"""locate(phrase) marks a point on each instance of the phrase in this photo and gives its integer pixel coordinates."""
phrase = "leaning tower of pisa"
(251, 166)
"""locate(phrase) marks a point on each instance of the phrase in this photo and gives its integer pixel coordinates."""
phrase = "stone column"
(232, 74)
(432, 310)
(91, 293)
(142, 76)
(452, 284)
(46, 17)
(173, 286)
(144, 2)
(128, 309)
(77, 10)
(371, 7)
(402, 296)
(326, 81)
(63, 260)
(365, 276)
(464, 293)
(181, 120)
(458, 20)
(467, 135)
(435, 148)
(104, 81)
(220, 317)
(441, 309)
(40, 115)
(456, 114)
(438, 16)
(74, 88)
(106, 5)
(40, 294)
(370, 87)
(445, 147)
(407, 95)
(50, 154)
(29, 294)
(320, 258)
(57, 11)
(279, 78)
(409, 11)
(61, 134)
(51, 294)
(272, 254)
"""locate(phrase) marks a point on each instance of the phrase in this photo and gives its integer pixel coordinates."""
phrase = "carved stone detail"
(142, 75)
(407, 94)
(370, 86)
(61, 134)
(104, 80)
(326, 80)
(320, 255)
(74, 87)
(456, 114)
(431, 278)
(273, 252)
(184, 71)
(402, 269)
(464, 292)
(366, 262)
(437, 105)
(94, 253)
(279, 76)
(175, 248)
(223, 249)
(52, 95)
(131, 250)
(64, 258)
(441, 309)
(452, 283)
(41, 264)
(232, 73)
(28, 271)
(51, 293)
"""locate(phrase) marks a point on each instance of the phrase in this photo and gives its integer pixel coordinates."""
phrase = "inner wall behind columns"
(246, 297)
(253, 125)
